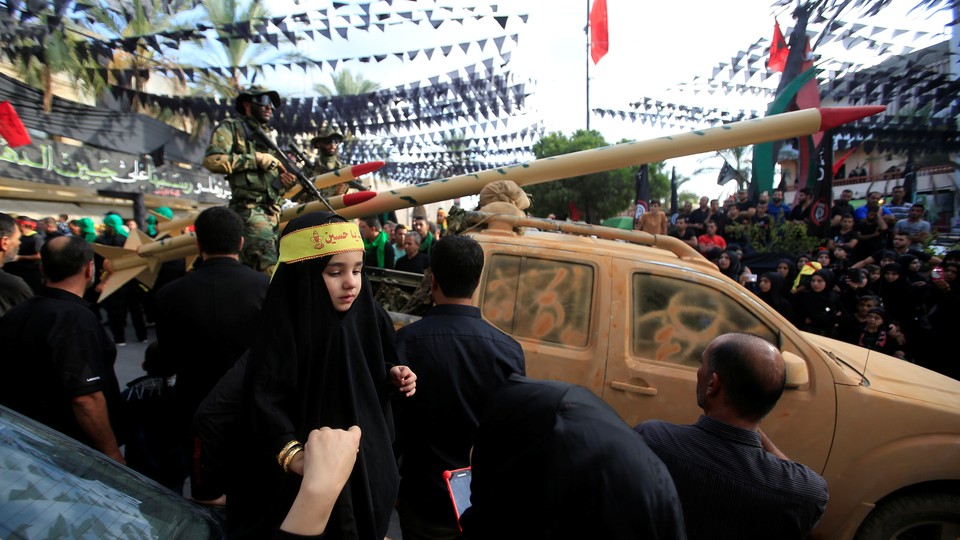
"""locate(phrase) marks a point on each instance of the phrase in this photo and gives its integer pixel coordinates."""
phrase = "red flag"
(599, 41)
(809, 95)
(778, 50)
(11, 128)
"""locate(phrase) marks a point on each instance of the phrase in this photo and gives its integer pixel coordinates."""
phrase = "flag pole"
(586, 31)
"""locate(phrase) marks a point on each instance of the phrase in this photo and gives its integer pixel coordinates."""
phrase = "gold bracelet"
(289, 457)
(286, 449)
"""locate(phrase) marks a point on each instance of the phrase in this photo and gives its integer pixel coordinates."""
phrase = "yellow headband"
(320, 241)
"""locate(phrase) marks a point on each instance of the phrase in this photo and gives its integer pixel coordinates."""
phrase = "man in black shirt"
(732, 480)
(58, 360)
(412, 260)
(464, 359)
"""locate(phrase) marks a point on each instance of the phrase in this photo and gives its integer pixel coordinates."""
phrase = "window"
(539, 299)
(674, 320)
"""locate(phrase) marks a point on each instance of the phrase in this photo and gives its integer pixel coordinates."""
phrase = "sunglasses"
(262, 100)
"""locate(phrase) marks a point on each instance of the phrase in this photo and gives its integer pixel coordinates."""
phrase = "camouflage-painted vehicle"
(590, 305)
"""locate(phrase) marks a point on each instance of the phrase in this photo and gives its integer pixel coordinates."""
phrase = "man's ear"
(713, 385)
(434, 285)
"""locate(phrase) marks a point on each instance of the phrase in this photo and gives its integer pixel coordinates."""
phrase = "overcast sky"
(654, 46)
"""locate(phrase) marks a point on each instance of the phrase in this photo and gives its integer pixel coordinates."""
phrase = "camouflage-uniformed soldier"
(326, 144)
(253, 171)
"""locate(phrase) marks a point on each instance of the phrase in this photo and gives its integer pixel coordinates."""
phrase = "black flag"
(643, 192)
(909, 178)
(727, 173)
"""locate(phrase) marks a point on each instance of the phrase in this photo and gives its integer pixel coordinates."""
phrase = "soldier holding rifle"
(255, 172)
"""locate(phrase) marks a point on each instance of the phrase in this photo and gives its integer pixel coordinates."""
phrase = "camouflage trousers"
(261, 227)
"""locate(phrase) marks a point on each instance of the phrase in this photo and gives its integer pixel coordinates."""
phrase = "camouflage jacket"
(232, 152)
(323, 165)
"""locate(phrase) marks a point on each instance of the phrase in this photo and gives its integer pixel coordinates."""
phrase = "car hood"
(890, 375)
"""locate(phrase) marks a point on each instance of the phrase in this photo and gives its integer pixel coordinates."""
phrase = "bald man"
(732, 481)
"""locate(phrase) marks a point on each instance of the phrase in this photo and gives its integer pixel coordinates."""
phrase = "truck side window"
(674, 320)
(552, 302)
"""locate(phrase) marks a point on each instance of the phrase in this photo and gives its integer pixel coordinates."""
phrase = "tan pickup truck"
(630, 322)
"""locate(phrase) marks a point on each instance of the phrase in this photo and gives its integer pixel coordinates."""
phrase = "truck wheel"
(917, 516)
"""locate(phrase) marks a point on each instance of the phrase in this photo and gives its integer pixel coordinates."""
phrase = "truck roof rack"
(460, 218)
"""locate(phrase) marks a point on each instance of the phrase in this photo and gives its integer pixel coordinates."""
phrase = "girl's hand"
(404, 379)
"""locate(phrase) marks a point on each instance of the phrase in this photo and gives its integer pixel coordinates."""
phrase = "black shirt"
(460, 360)
(730, 487)
(55, 350)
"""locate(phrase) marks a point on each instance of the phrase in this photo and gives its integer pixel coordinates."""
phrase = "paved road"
(129, 360)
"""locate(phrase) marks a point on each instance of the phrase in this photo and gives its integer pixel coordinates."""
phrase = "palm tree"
(140, 19)
(346, 84)
(49, 44)
(229, 52)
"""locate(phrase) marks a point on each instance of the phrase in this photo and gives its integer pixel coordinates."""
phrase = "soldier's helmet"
(327, 133)
(252, 92)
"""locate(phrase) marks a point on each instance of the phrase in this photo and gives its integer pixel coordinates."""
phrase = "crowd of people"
(302, 411)
(871, 280)
(292, 404)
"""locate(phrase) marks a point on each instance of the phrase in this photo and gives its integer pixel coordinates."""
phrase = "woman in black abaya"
(324, 357)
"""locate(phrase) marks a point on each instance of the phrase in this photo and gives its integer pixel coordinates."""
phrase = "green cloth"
(379, 243)
(427, 244)
(89, 229)
(116, 223)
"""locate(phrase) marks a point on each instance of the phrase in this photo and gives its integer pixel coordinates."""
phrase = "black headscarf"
(312, 366)
(552, 460)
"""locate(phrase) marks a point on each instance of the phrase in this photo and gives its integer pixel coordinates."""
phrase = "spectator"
(460, 360)
(853, 320)
(841, 207)
(770, 287)
(126, 298)
(710, 239)
(13, 289)
(683, 231)
(914, 227)
(63, 224)
(901, 246)
(730, 265)
(777, 208)
(873, 199)
(818, 308)
(699, 216)
(376, 242)
(219, 300)
(412, 260)
(324, 356)
(653, 221)
(399, 233)
(153, 447)
(872, 231)
(740, 380)
(878, 336)
(801, 211)
(898, 205)
(845, 234)
(58, 361)
(422, 227)
(551, 460)
(745, 206)
(944, 301)
(26, 264)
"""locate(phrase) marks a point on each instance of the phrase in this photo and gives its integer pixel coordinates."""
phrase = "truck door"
(664, 323)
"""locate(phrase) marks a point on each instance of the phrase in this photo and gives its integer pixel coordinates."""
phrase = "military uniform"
(323, 165)
(232, 152)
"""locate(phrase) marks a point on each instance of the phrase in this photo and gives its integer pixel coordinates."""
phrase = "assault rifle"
(305, 182)
(297, 153)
